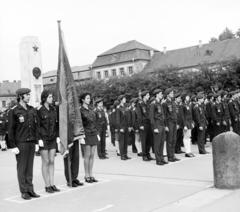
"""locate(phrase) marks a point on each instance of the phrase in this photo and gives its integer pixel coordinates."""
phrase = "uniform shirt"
(22, 125)
(187, 114)
(101, 119)
(89, 121)
(199, 115)
(143, 113)
(48, 123)
(2, 123)
(157, 116)
(170, 111)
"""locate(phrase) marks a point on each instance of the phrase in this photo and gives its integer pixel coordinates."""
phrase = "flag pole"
(68, 148)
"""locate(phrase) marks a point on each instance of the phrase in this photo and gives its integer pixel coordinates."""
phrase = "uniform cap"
(168, 91)
(200, 96)
(156, 91)
(22, 91)
(98, 100)
(121, 97)
(144, 93)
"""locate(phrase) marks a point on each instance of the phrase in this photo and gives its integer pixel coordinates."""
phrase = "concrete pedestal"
(31, 68)
(226, 160)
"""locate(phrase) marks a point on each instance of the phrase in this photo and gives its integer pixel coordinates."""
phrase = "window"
(114, 72)
(122, 72)
(106, 74)
(99, 75)
(130, 70)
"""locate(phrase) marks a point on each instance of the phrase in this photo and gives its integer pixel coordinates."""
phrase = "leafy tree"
(226, 34)
(213, 40)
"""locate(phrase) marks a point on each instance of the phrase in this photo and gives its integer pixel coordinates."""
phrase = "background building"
(8, 92)
(122, 60)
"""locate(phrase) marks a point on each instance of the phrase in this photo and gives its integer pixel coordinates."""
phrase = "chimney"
(164, 50)
(200, 43)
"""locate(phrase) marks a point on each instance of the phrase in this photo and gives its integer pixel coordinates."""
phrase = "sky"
(93, 26)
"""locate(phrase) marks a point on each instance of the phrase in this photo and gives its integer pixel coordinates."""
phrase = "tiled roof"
(220, 51)
(124, 53)
(74, 69)
(8, 88)
(130, 45)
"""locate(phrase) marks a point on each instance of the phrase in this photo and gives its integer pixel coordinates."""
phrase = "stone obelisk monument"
(31, 68)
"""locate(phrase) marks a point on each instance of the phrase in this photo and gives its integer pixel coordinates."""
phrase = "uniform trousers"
(171, 139)
(146, 138)
(201, 140)
(101, 147)
(123, 142)
(159, 139)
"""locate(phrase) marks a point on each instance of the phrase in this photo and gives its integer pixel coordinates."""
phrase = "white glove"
(58, 140)
(40, 143)
(141, 127)
(36, 148)
(185, 128)
(99, 137)
(15, 151)
(156, 130)
(82, 140)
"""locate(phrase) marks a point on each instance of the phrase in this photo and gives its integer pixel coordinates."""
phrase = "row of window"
(114, 72)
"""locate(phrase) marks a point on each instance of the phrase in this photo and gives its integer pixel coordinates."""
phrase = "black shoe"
(123, 158)
(26, 196)
(145, 158)
(88, 180)
(150, 158)
(33, 194)
(192, 154)
(160, 163)
(49, 189)
(176, 159)
(204, 152)
(171, 160)
(140, 154)
(55, 189)
(5, 149)
(118, 154)
(188, 155)
(74, 185)
(105, 157)
(78, 182)
(128, 158)
(93, 180)
(163, 161)
(179, 152)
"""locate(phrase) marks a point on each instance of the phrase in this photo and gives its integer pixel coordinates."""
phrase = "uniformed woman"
(91, 136)
(48, 138)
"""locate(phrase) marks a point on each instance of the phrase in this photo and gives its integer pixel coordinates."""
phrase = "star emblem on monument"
(35, 48)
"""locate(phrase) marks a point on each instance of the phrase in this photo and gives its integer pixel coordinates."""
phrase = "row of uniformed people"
(30, 129)
(158, 120)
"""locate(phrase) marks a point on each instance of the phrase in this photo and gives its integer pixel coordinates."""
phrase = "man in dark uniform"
(171, 123)
(227, 118)
(111, 124)
(23, 136)
(144, 125)
(234, 113)
(157, 118)
(209, 105)
(3, 130)
(201, 123)
(102, 127)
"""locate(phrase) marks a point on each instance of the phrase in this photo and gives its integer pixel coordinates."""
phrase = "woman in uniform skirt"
(91, 136)
(48, 138)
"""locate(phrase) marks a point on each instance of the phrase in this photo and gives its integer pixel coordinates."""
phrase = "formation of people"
(147, 123)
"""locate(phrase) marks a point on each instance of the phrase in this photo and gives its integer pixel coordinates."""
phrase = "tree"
(238, 33)
(213, 40)
(226, 34)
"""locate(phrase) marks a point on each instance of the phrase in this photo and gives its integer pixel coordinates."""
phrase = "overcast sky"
(94, 26)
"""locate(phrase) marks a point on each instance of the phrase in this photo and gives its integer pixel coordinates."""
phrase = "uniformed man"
(227, 125)
(102, 127)
(158, 122)
(209, 106)
(3, 130)
(201, 123)
(234, 113)
(122, 125)
(145, 125)
(23, 137)
(171, 123)
(111, 123)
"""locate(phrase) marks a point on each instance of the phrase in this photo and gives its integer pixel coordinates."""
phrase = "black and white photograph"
(120, 106)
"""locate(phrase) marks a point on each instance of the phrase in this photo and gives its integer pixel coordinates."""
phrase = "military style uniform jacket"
(180, 115)
(22, 126)
(89, 121)
(48, 123)
(209, 111)
(217, 113)
(112, 120)
(170, 111)
(187, 115)
(234, 110)
(134, 118)
(3, 124)
(101, 120)
(157, 116)
(143, 113)
(122, 117)
(199, 116)
(226, 110)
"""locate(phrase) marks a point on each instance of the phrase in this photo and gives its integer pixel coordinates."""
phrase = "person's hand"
(40, 143)
(178, 126)
(141, 127)
(231, 129)
(15, 151)
(58, 140)
(122, 130)
(201, 128)
(81, 140)
(167, 129)
(156, 130)
(193, 125)
(129, 129)
(185, 128)
(218, 124)
(36, 148)
(98, 137)
(225, 123)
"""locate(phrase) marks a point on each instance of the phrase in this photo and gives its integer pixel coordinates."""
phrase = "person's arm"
(11, 129)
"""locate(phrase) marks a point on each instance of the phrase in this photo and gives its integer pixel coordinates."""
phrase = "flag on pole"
(70, 121)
